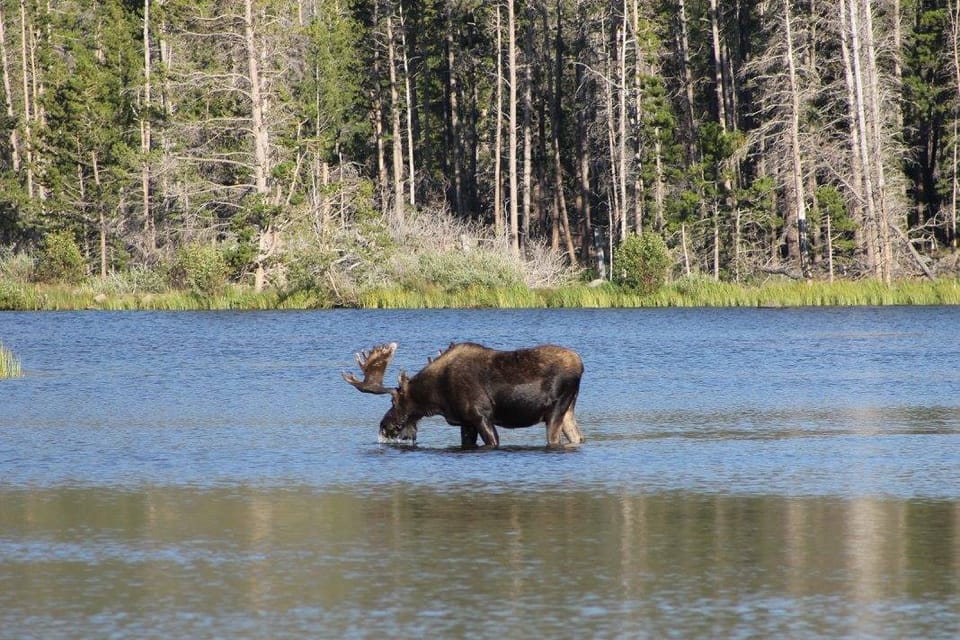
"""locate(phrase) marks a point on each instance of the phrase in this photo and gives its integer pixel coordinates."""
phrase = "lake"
(747, 473)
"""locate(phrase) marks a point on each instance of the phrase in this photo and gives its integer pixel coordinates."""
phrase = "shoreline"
(697, 292)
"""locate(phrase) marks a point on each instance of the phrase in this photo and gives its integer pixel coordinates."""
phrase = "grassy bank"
(683, 293)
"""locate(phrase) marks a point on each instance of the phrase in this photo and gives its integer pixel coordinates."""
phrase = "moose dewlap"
(479, 389)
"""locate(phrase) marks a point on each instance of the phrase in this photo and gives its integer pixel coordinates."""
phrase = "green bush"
(60, 259)
(199, 268)
(16, 267)
(135, 280)
(13, 297)
(642, 262)
(456, 271)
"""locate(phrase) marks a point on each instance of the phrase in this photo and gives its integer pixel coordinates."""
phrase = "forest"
(339, 144)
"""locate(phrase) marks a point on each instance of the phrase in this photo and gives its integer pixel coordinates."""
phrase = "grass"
(683, 293)
(37, 297)
(9, 364)
(692, 292)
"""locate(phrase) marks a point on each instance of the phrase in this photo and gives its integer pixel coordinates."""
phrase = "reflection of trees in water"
(410, 550)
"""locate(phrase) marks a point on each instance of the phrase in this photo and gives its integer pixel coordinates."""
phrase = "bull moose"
(479, 389)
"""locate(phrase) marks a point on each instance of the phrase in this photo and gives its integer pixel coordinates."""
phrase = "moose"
(479, 389)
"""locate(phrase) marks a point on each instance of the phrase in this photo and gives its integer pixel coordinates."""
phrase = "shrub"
(200, 268)
(457, 271)
(136, 280)
(642, 262)
(60, 259)
(15, 266)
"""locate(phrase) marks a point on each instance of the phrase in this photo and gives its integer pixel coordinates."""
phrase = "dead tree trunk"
(512, 145)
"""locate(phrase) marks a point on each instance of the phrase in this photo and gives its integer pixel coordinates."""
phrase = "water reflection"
(408, 561)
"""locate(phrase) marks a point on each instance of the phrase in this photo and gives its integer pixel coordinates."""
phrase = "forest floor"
(697, 292)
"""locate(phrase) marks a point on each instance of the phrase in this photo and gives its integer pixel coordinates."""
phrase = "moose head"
(398, 423)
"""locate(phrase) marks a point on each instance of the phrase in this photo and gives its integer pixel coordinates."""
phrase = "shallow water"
(747, 473)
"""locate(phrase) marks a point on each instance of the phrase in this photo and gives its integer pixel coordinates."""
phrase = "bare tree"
(395, 131)
(453, 102)
(561, 218)
(954, 11)
(512, 144)
(864, 136)
(796, 167)
(498, 222)
(28, 100)
(8, 94)
(150, 236)
(409, 107)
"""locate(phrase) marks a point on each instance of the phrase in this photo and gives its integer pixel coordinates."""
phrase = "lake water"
(747, 473)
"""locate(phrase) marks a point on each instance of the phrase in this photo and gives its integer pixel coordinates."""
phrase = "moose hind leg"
(554, 431)
(570, 428)
(488, 433)
(561, 422)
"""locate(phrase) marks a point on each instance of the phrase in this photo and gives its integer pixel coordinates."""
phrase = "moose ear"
(404, 381)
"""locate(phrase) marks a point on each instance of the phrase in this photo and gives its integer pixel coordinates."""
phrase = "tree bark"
(512, 144)
(102, 218)
(261, 170)
(257, 126)
(396, 136)
(686, 74)
(527, 202)
(409, 104)
(583, 107)
(718, 66)
(150, 236)
(560, 206)
(622, 123)
(614, 213)
(27, 108)
(954, 11)
(8, 95)
(883, 215)
(498, 222)
(637, 110)
(863, 136)
(455, 149)
(796, 168)
(376, 98)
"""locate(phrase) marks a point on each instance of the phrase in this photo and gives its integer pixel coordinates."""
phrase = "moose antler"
(373, 364)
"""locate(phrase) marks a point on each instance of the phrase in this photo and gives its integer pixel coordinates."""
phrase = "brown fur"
(479, 389)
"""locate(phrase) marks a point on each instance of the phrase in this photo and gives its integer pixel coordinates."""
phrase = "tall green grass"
(9, 364)
(688, 292)
(36, 297)
(696, 292)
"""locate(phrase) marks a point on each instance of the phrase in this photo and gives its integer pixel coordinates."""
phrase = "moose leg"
(488, 432)
(570, 429)
(562, 422)
(468, 437)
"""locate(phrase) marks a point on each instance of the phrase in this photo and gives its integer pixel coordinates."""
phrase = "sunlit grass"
(9, 364)
(36, 297)
(698, 292)
(687, 292)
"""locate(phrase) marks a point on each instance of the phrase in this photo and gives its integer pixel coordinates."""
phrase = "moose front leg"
(468, 437)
